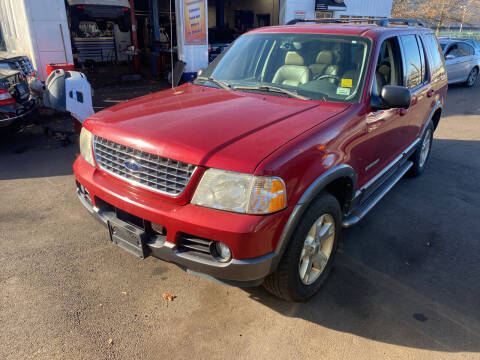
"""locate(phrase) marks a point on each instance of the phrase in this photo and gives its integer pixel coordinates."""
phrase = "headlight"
(242, 193)
(86, 150)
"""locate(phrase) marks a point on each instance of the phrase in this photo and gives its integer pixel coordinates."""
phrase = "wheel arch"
(340, 181)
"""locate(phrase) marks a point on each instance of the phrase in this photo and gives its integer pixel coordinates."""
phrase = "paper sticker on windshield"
(347, 83)
(343, 91)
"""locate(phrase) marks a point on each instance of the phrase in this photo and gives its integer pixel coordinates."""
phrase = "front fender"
(337, 172)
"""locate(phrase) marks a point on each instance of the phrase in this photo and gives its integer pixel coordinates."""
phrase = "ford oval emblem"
(132, 165)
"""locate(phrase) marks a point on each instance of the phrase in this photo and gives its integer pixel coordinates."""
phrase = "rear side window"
(465, 49)
(414, 73)
(435, 58)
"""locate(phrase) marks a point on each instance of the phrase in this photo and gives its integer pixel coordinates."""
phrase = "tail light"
(6, 98)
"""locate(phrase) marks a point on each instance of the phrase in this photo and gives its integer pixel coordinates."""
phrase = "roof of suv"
(356, 29)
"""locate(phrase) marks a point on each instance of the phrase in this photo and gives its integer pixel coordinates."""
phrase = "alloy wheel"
(426, 144)
(317, 249)
(472, 78)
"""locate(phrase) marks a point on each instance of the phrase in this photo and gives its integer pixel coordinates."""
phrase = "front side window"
(389, 69)
(314, 66)
(459, 50)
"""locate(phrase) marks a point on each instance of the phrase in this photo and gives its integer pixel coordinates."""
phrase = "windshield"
(314, 66)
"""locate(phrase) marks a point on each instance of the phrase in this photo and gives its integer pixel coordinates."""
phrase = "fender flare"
(437, 106)
(337, 172)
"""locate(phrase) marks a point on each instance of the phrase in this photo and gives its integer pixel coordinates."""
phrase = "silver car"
(463, 63)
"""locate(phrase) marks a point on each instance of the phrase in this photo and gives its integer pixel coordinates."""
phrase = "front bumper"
(252, 239)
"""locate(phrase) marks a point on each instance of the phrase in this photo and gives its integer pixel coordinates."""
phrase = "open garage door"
(228, 19)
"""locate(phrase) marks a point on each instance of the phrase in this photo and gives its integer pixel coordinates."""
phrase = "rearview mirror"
(449, 57)
(392, 96)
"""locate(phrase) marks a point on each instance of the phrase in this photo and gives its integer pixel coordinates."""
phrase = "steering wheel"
(327, 76)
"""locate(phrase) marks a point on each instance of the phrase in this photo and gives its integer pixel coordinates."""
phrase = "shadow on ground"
(410, 276)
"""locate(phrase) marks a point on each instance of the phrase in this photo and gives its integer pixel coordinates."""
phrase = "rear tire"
(472, 77)
(422, 154)
(311, 249)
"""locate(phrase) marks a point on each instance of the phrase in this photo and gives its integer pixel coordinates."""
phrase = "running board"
(373, 199)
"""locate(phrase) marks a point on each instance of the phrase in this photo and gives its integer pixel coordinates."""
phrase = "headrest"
(324, 57)
(384, 70)
(293, 58)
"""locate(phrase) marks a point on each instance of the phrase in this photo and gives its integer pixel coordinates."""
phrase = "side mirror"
(449, 57)
(391, 97)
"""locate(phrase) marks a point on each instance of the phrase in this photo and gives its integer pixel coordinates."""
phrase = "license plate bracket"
(128, 237)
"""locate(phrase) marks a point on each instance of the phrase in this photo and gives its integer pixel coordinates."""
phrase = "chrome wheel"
(427, 141)
(317, 249)
(472, 78)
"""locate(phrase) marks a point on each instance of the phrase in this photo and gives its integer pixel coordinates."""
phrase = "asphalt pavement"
(404, 286)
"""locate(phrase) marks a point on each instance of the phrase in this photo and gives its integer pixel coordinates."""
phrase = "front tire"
(308, 258)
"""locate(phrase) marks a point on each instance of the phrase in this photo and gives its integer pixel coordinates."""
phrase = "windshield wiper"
(220, 83)
(274, 89)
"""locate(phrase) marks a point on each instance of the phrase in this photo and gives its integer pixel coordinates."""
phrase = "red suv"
(248, 174)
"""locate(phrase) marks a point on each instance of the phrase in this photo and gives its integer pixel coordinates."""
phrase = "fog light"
(220, 251)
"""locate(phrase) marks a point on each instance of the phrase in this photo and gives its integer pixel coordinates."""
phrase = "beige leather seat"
(324, 64)
(294, 72)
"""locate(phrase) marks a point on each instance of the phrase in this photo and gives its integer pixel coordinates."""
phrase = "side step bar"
(376, 196)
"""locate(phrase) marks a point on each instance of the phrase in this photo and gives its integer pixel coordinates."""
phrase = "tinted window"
(423, 58)
(435, 58)
(412, 60)
(2, 41)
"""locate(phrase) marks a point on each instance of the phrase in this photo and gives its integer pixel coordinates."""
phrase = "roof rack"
(378, 21)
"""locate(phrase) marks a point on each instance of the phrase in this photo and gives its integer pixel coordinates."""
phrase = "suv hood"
(210, 127)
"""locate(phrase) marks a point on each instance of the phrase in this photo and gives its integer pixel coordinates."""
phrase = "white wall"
(380, 8)
(32, 28)
(196, 56)
(15, 28)
(48, 21)
(377, 8)
(288, 8)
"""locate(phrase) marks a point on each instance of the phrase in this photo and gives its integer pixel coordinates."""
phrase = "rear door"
(466, 59)
(458, 60)
(416, 78)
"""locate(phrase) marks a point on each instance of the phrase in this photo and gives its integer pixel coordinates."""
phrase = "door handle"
(430, 93)
(402, 112)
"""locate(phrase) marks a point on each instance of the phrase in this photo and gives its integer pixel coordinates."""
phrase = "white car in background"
(463, 62)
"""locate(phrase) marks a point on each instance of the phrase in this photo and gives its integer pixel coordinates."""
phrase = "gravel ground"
(405, 284)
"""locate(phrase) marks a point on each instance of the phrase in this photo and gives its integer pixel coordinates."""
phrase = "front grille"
(150, 171)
